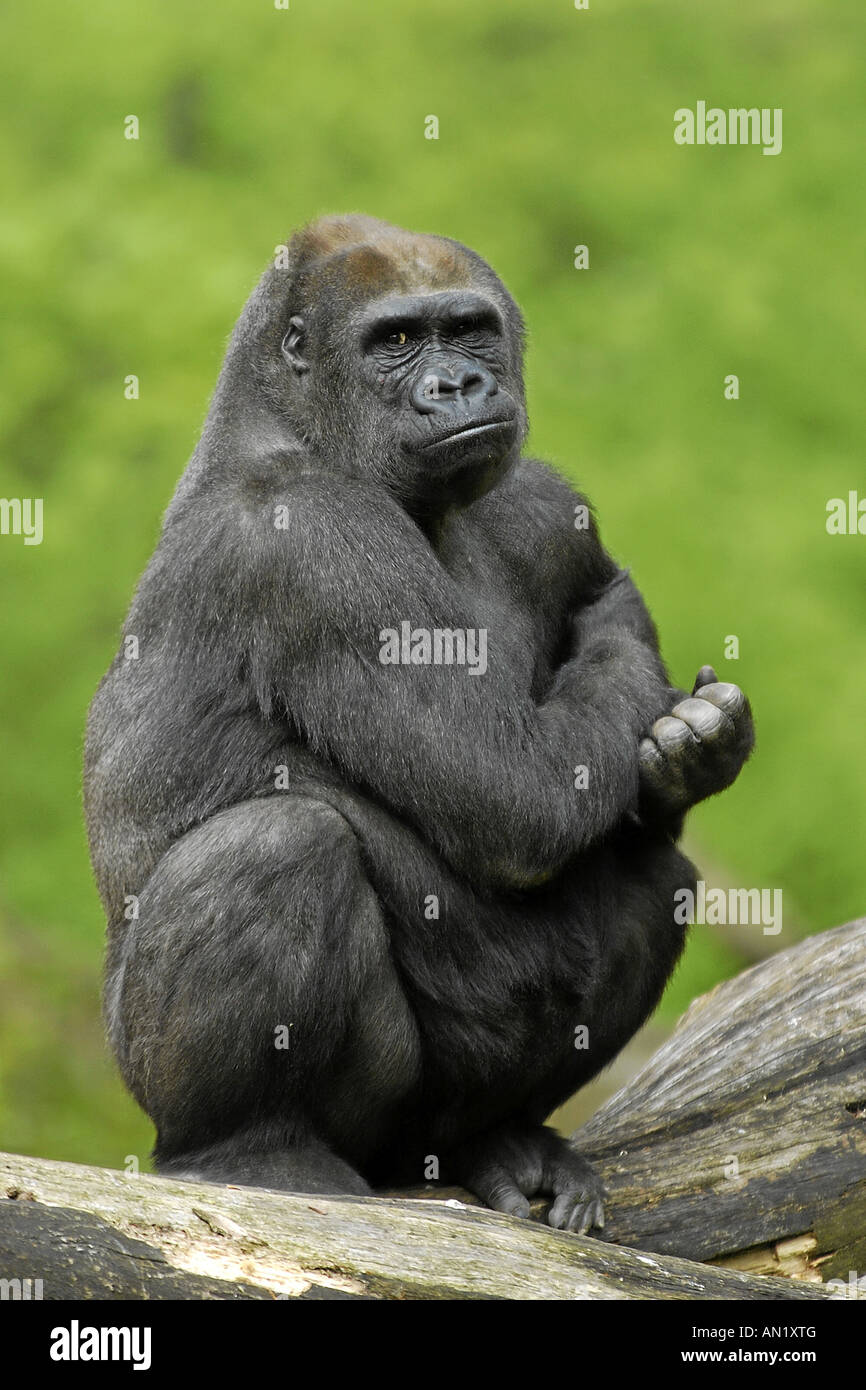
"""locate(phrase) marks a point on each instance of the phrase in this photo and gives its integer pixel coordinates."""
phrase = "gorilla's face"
(408, 360)
(438, 365)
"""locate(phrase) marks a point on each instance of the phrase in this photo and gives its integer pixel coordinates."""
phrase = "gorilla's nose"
(441, 390)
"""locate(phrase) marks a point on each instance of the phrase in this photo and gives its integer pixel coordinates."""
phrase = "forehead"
(388, 261)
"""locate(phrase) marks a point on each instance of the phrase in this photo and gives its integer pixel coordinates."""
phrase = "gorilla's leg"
(624, 899)
(253, 1004)
(635, 908)
(263, 1156)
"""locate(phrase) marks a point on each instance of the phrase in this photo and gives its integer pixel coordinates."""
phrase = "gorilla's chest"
(517, 596)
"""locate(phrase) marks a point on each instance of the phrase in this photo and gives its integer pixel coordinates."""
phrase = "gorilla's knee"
(239, 984)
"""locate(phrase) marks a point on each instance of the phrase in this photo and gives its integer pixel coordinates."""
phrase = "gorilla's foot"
(508, 1166)
(309, 1167)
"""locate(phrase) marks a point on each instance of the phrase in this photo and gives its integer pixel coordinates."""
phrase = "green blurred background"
(555, 129)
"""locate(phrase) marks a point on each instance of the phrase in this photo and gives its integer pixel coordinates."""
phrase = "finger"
(725, 696)
(658, 777)
(706, 676)
(704, 718)
(652, 763)
(670, 732)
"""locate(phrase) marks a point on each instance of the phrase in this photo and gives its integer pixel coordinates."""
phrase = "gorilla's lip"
(469, 432)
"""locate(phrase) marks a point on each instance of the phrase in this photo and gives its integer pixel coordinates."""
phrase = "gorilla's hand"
(697, 749)
(508, 1166)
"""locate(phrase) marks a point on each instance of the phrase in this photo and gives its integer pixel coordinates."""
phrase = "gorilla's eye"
(474, 324)
(385, 337)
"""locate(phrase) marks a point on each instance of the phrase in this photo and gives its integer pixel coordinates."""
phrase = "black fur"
(296, 899)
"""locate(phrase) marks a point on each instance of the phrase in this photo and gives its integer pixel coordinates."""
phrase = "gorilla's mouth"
(467, 432)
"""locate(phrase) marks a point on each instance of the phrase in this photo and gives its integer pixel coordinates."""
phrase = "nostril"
(451, 386)
(475, 382)
(432, 386)
(443, 383)
(433, 393)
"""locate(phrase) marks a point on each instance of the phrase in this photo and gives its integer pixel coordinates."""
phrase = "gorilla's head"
(390, 355)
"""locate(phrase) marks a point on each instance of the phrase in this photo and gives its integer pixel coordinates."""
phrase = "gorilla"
(384, 784)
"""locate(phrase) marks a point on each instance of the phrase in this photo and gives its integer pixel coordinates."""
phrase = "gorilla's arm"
(700, 741)
(697, 742)
(484, 773)
(619, 605)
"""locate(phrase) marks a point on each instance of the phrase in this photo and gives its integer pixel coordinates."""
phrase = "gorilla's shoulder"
(537, 494)
(541, 529)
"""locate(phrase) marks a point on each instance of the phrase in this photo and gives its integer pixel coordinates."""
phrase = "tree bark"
(743, 1139)
(89, 1233)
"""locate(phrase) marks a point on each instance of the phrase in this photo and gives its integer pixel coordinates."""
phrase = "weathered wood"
(748, 1127)
(101, 1234)
(741, 1142)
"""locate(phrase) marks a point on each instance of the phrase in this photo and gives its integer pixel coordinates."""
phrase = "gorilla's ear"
(293, 344)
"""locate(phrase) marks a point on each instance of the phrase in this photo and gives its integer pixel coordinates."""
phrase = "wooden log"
(743, 1139)
(89, 1233)
(741, 1142)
